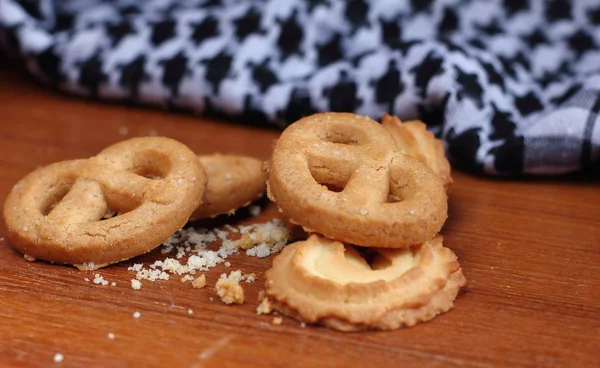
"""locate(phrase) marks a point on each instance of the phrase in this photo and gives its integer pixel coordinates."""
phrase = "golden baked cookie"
(58, 212)
(232, 182)
(341, 175)
(322, 281)
(412, 138)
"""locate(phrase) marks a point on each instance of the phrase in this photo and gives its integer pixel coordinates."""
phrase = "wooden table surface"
(529, 249)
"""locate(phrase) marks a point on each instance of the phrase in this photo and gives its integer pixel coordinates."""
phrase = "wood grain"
(530, 250)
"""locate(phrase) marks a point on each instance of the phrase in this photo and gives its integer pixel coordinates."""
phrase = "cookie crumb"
(137, 314)
(412, 212)
(99, 279)
(113, 284)
(27, 257)
(58, 357)
(211, 298)
(199, 282)
(265, 307)
(250, 277)
(303, 324)
(136, 267)
(228, 288)
(254, 210)
(111, 336)
(259, 240)
(277, 321)
(190, 311)
(136, 284)
(187, 278)
(86, 279)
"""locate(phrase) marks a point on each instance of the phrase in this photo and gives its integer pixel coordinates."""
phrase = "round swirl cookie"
(59, 212)
(322, 281)
(341, 175)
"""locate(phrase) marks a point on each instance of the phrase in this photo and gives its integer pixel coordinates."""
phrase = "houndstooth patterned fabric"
(512, 86)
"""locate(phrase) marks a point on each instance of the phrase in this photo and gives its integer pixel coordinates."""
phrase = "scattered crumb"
(211, 298)
(86, 279)
(187, 278)
(265, 307)
(303, 324)
(123, 130)
(136, 267)
(277, 320)
(251, 277)
(113, 284)
(98, 279)
(136, 284)
(273, 234)
(260, 251)
(231, 228)
(191, 254)
(58, 357)
(137, 314)
(27, 257)
(1, 238)
(190, 311)
(199, 282)
(89, 266)
(228, 288)
(254, 210)
(111, 336)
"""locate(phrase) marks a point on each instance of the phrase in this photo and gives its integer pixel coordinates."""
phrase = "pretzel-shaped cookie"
(55, 213)
(322, 281)
(388, 199)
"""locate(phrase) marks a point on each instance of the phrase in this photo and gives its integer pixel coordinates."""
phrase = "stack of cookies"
(125, 201)
(372, 197)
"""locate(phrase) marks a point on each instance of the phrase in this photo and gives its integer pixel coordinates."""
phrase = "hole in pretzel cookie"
(339, 138)
(110, 213)
(392, 198)
(54, 196)
(397, 191)
(343, 134)
(333, 181)
(151, 164)
(333, 188)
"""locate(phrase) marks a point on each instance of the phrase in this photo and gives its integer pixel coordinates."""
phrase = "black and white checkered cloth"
(511, 86)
